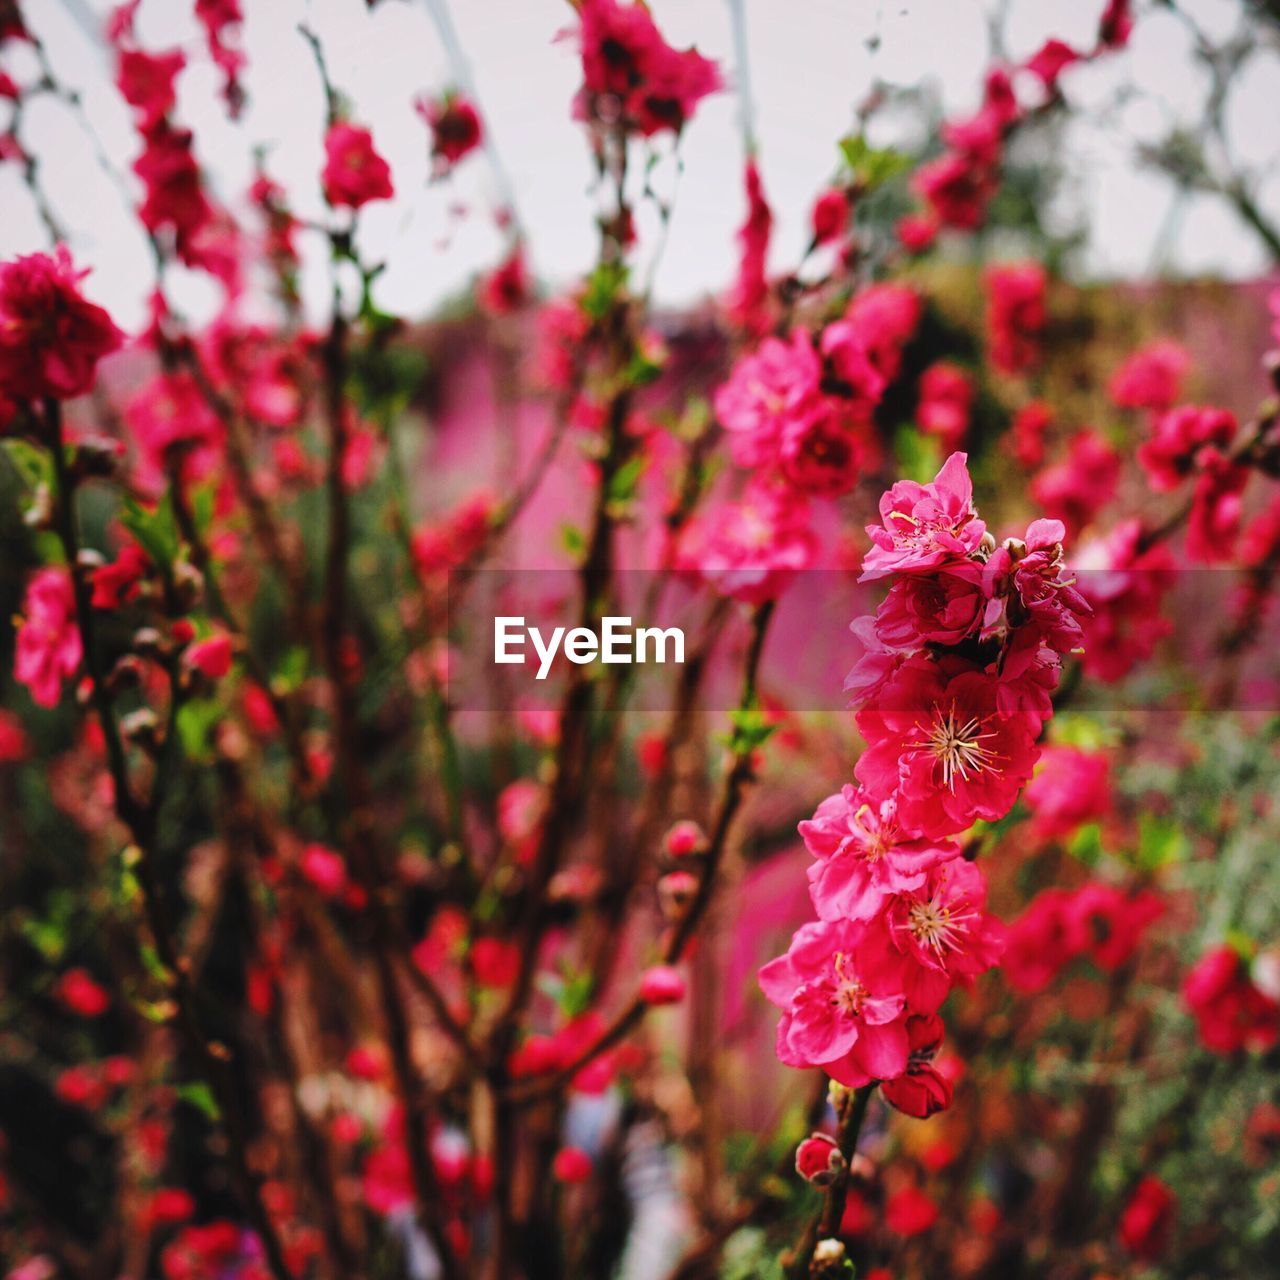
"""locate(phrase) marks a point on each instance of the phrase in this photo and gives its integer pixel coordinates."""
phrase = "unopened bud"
(676, 891)
(828, 1253)
(819, 1159)
(684, 839)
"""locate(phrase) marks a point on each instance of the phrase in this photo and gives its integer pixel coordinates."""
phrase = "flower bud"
(571, 1165)
(661, 984)
(684, 839)
(828, 1255)
(676, 891)
(818, 1159)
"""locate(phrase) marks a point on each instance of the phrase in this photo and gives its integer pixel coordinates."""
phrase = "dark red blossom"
(51, 336)
(354, 173)
(455, 127)
(1146, 1224)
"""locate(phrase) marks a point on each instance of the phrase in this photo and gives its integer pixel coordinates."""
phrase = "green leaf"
(604, 285)
(196, 721)
(198, 1094)
(156, 532)
(872, 166)
(1160, 842)
(1086, 844)
(291, 670)
(34, 465)
(750, 730)
(573, 540)
(622, 486)
(575, 994)
(919, 455)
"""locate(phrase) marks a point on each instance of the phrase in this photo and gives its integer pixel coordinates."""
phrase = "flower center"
(850, 991)
(957, 746)
(937, 925)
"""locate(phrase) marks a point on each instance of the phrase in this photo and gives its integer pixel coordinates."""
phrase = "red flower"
(1050, 61)
(1015, 314)
(166, 1206)
(1216, 508)
(1150, 378)
(13, 738)
(175, 199)
(146, 82)
(571, 1165)
(116, 583)
(455, 127)
(630, 73)
(506, 289)
(1071, 787)
(79, 993)
(1076, 489)
(1169, 457)
(51, 336)
(48, 648)
(495, 962)
(1231, 1013)
(922, 1090)
(1028, 431)
(354, 173)
(909, 1212)
(1147, 1221)
(324, 868)
(747, 303)
(1111, 922)
(1044, 939)
(830, 216)
(946, 400)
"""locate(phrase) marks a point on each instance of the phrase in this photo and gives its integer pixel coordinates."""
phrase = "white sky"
(809, 65)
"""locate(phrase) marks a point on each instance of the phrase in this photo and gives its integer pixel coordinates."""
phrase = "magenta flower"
(840, 989)
(48, 643)
(1169, 457)
(925, 525)
(1071, 787)
(935, 736)
(354, 173)
(863, 855)
(765, 391)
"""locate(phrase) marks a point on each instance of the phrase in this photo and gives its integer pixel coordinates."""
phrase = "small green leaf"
(198, 1094)
(1086, 844)
(919, 455)
(156, 531)
(196, 721)
(872, 166)
(750, 730)
(573, 540)
(1160, 842)
(604, 285)
(622, 486)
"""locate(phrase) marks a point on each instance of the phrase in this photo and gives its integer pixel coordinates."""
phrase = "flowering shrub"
(336, 949)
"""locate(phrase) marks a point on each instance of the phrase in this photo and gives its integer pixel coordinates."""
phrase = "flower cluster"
(962, 656)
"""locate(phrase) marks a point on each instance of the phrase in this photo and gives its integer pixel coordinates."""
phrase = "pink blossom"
(1168, 458)
(1231, 1013)
(1016, 314)
(841, 989)
(922, 1090)
(455, 127)
(146, 82)
(1051, 60)
(1151, 378)
(1070, 787)
(1076, 489)
(942, 608)
(863, 855)
(747, 303)
(946, 401)
(324, 868)
(936, 737)
(48, 648)
(354, 173)
(818, 1159)
(211, 655)
(925, 525)
(661, 984)
(830, 216)
(945, 928)
(884, 318)
(1030, 424)
(51, 336)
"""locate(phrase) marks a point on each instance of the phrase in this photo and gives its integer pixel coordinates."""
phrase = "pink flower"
(173, 425)
(957, 188)
(1050, 61)
(1231, 1013)
(1076, 489)
(354, 173)
(944, 927)
(916, 232)
(818, 1159)
(1030, 424)
(506, 288)
(630, 73)
(884, 318)
(495, 962)
(1112, 922)
(863, 856)
(324, 868)
(1115, 25)
(1216, 508)
(51, 336)
(946, 400)
(1151, 378)
(765, 390)
(925, 525)
(1146, 1224)
(1070, 787)
(661, 984)
(145, 80)
(1045, 938)
(1124, 585)
(211, 656)
(747, 304)
(942, 608)
(684, 839)
(175, 200)
(1169, 456)
(1015, 314)
(936, 737)
(48, 646)
(749, 549)
(455, 127)
(840, 987)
